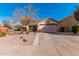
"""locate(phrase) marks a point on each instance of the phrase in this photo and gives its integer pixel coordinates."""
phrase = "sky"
(55, 11)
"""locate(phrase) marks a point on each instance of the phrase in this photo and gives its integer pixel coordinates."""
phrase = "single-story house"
(67, 23)
(48, 25)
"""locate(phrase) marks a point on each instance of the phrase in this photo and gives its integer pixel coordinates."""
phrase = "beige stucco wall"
(40, 26)
(50, 28)
(68, 22)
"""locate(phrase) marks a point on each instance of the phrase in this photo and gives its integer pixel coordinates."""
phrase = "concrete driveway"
(56, 44)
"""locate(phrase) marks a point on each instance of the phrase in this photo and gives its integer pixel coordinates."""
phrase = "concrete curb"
(36, 40)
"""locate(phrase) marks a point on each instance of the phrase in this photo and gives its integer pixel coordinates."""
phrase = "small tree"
(75, 29)
(18, 13)
(25, 20)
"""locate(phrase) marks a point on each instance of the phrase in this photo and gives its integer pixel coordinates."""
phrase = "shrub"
(3, 31)
(75, 29)
(2, 34)
(18, 27)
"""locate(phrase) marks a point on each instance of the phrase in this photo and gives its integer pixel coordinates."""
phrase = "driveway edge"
(36, 40)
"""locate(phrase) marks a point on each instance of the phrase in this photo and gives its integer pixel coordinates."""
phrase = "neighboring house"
(48, 25)
(67, 23)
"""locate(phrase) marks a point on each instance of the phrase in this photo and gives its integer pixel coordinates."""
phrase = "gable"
(48, 21)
